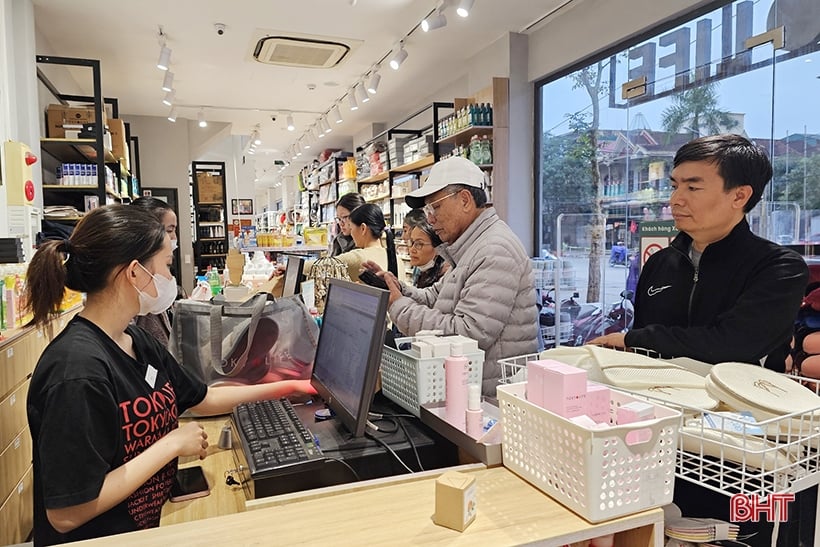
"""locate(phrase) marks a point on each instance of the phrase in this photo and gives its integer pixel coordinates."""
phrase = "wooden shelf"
(74, 150)
(212, 239)
(211, 223)
(214, 254)
(466, 134)
(381, 197)
(375, 178)
(420, 163)
(71, 187)
(211, 203)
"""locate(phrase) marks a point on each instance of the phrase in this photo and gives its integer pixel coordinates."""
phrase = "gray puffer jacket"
(488, 295)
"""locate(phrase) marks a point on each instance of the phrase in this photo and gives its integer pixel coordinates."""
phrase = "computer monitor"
(349, 350)
(293, 275)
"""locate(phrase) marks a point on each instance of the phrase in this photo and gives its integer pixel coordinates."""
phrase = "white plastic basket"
(732, 463)
(598, 473)
(410, 381)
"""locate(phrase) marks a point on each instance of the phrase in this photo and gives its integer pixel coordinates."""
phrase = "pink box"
(565, 389)
(598, 403)
(635, 411)
(535, 381)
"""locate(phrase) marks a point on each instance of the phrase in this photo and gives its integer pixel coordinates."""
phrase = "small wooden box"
(455, 500)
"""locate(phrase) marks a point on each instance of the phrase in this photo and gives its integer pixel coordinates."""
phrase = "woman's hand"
(277, 271)
(190, 440)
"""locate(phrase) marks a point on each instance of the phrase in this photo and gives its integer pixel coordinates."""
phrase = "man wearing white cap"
(488, 294)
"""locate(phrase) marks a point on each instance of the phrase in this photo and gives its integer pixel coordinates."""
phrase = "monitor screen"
(293, 275)
(349, 351)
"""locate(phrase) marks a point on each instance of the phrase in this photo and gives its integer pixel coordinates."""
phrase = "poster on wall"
(242, 206)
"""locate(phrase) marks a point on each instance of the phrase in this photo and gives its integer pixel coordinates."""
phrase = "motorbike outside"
(596, 323)
(618, 255)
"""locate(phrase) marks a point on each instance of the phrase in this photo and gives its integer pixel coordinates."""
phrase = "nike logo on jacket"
(652, 291)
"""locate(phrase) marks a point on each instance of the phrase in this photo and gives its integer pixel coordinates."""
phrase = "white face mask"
(166, 294)
(174, 245)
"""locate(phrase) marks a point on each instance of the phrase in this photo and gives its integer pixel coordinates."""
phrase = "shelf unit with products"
(327, 182)
(210, 228)
(86, 156)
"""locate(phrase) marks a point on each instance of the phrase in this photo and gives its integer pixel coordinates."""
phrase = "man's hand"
(614, 340)
(393, 285)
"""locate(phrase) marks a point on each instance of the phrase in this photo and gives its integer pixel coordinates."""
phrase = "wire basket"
(410, 381)
(598, 473)
(733, 457)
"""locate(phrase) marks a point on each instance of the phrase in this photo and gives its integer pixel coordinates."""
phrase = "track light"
(308, 138)
(437, 20)
(351, 100)
(320, 131)
(325, 126)
(362, 93)
(337, 114)
(398, 57)
(172, 115)
(168, 81)
(464, 7)
(291, 127)
(200, 117)
(256, 140)
(164, 58)
(315, 135)
(168, 100)
(373, 84)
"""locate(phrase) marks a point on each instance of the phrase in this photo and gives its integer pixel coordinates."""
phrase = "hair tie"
(66, 250)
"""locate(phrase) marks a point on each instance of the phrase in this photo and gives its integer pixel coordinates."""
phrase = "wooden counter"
(398, 511)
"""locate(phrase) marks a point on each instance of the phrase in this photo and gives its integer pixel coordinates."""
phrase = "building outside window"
(609, 130)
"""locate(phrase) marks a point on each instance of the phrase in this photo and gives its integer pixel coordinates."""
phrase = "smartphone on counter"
(366, 276)
(189, 483)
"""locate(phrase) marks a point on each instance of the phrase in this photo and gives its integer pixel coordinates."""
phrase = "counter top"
(398, 511)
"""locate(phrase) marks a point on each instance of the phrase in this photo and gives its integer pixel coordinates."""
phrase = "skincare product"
(455, 386)
(597, 402)
(474, 414)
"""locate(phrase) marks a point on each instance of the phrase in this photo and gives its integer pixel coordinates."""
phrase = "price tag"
(151, 376)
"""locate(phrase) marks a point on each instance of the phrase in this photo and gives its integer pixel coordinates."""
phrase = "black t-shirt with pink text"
(91, 408)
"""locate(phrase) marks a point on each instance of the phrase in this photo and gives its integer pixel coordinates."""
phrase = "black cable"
(410, 440)
(389, 420)
(341, 461)
(390, 450)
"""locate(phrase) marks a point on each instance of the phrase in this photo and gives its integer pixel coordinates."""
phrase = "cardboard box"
(455, 500)
(119, 145)
(57, 115)
(209, 188)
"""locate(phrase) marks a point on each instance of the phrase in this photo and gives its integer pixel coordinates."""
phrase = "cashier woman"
(105, 395)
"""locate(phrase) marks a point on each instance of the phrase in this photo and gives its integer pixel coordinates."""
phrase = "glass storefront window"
(608, 133)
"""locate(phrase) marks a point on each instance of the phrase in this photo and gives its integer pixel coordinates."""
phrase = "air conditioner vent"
(299, 52)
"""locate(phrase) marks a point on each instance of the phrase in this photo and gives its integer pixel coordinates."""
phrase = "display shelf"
(375, 178)
(466, 134)
(69, 187)
(417, 165)
(381, 197)
(75, 150)
(211, 223)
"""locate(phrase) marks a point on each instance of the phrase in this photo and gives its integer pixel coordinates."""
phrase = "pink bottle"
(455, 386)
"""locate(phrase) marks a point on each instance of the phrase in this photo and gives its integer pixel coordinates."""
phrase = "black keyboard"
(274, 439)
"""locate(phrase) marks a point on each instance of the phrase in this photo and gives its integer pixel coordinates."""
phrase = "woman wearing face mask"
(429, 267)
(105, 395)
(343, 242)
(159, 324)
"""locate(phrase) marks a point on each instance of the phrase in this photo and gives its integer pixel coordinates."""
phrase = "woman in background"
(343, 242)
(428, 266)
(366, 226)
(104, 397)
(158, 324)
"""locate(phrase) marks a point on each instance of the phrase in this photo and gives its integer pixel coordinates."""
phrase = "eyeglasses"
(342, 220)
(430, 211)
(419, 244)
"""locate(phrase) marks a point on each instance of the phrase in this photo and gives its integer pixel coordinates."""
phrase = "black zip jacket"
(739, 306)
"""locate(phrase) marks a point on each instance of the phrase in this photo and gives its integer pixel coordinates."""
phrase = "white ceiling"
(219, 71)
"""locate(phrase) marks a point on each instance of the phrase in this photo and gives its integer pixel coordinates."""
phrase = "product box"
(455, 500)
(119, 145)
(57, 115)
(598, 403)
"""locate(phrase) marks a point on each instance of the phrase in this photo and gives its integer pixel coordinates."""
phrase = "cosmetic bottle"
(474, 414)
(455, 386)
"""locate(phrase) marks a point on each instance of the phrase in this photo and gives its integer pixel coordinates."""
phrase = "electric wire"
(390, 450)
(412, 444)
(341, 461)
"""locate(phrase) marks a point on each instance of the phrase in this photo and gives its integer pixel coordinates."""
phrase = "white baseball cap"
(454, 170)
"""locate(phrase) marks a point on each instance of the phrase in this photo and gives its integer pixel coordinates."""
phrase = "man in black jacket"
(720, 293)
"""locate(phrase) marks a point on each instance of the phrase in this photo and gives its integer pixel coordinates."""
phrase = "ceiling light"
(298, 149)
(398, 57)
(316, 134)
(168, 100)
(362, 92)
(307, 141)
(251, 152)
(200, 117)
(337, 114)
(373, 84)
(164, 58)
(320, 130)
(168, 81)
(325, 126)
(351, 100)
(256, 140)
(464, 7)
(291, 127)
(172, 115)
(437, 20)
